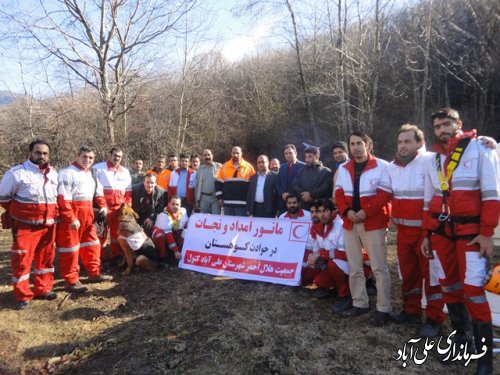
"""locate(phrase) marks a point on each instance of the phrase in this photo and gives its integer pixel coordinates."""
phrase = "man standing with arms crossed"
(113, 189)
(461, 211)
(76, 234)
(28, 192)
(365, 225)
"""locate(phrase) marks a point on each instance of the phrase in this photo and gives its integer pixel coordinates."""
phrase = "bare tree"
(106, 43)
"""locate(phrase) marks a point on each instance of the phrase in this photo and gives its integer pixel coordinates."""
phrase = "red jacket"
(404, 187)
(190, 184)
(30, 195)
(113, 185)
(473, 191)
(75, 193)
(377, 217)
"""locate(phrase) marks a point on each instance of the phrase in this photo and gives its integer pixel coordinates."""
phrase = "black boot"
(161, 263)
(485, 363)
(462, 323)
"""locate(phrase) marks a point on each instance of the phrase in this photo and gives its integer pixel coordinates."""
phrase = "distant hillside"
(6, 97)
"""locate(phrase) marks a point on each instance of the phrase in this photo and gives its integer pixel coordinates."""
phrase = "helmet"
(493, 280)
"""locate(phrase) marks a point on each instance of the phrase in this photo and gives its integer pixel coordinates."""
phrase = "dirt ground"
(180, 322)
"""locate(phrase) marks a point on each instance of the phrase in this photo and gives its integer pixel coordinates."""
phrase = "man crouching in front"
(169, 231)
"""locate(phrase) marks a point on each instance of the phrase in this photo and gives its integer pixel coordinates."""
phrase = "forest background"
(107, 75)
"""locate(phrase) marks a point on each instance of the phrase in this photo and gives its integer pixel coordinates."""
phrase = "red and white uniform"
(169, 231)
(474, 206)
(190, 184)
(377, 218)
(328, 240)
(113, 189)
(404, 186)
(302, 215)
(75, 195)
(29, 195)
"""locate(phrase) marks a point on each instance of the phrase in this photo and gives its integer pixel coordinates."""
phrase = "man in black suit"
(286, 174)
(262, 197)
(148, 200)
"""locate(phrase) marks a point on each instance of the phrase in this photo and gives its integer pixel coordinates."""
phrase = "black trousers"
(259, 210)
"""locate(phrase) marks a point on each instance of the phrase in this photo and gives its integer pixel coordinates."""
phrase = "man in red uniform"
(169, 231)
(365, 226)
(403, 184)
(182, 182)
(461, 211)
(293, 210)
(328, 250)
(113, 189)
(76, 233)
(28, 192)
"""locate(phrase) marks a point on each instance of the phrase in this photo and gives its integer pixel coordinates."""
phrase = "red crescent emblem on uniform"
(467, 164)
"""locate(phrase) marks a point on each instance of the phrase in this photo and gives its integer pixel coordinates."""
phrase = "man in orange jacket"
(162, 174)
(231, 187)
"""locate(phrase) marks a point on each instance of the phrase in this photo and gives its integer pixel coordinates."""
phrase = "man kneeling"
(328, 248)
(169, 231)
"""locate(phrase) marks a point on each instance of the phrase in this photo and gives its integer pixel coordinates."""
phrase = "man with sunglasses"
(461, 211)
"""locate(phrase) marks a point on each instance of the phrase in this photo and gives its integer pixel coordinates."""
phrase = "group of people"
(445, 205)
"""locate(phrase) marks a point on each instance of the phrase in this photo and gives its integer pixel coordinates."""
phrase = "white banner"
(260, 249)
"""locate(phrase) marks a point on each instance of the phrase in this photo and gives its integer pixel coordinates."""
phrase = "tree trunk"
(425, 82)
(303, 82)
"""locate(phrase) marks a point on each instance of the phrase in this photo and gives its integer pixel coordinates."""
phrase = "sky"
(236, 36)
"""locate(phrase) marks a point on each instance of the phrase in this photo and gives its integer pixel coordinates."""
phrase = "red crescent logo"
(301, 233)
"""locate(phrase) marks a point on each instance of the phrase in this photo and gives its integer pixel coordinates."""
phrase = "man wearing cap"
(339, 154)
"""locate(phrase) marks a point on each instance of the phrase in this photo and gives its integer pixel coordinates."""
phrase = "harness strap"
(444, 179)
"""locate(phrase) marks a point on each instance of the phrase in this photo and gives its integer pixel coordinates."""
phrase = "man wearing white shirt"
(294, 211)
(262, 197)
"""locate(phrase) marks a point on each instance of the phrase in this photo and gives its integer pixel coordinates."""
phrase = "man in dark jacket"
(286, 174)
(148, 200)
(313, 181)
(262, 198)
